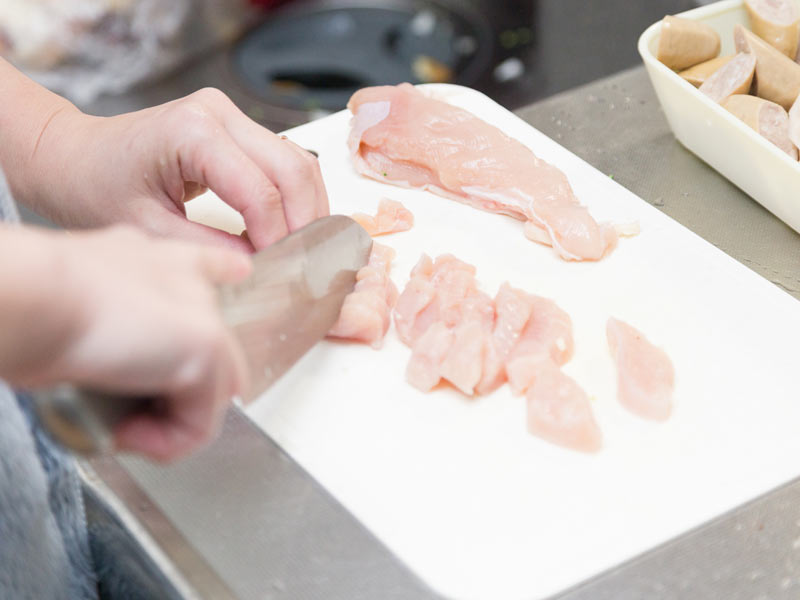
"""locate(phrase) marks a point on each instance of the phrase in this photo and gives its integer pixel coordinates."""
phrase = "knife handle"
(84, 420)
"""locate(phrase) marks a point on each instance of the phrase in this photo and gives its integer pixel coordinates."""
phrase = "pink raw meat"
(366, 312)
(547, 336)
(402, 137)
(645, 375)
(560, 412)
(392, 217)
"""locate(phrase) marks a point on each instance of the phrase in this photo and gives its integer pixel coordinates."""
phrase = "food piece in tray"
(794, 123)
(392, 217)
(559, 411)
(734, 77)
(645, 375)
(366, 312)
(401, 136)
(777, 77)
(684, 43)
(777, 22)
(765, 117)
(698, 74)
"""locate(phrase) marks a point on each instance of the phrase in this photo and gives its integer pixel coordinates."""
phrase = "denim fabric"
(44, 550)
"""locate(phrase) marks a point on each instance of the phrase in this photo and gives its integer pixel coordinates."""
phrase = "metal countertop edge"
(180, 565)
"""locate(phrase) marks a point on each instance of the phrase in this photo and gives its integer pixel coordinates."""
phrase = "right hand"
(142, 318)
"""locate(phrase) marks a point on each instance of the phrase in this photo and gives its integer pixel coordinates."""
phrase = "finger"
(217, 162)
(294, 171)
(159, 438)
(323, 206)
(175, 226)
(221, 265)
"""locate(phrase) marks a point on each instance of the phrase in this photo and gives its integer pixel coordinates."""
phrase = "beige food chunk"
(735, 77)
(684, 43)
(766, 118)
(698, 74)
(777, 76)
(794, 123)
(776, 22)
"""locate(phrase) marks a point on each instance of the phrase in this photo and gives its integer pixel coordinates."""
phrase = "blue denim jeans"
(44, 550)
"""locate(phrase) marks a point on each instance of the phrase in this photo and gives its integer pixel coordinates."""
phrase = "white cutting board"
(456, 488)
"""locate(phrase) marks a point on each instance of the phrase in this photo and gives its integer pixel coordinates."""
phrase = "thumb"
(176, 226)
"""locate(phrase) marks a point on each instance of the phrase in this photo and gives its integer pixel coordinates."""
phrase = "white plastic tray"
(737, 152)
(457, 488)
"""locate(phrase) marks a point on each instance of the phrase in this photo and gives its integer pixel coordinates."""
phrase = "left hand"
(140, 168)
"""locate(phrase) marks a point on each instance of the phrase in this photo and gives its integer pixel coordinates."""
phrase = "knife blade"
(289, 302)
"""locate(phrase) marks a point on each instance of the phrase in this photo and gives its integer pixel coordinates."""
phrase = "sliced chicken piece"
(766, 118)
(684, 43)
(436, 291)
(463, 365)
(402, 137)
(392, 217)
(559, 411)
(547, 336)
(513, 309)
(645, 375)
(424, 370)
(366, 312)
(734, 77)
(776, 22)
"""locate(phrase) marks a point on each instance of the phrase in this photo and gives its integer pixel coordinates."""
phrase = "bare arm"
(117, 311)
(139, 168)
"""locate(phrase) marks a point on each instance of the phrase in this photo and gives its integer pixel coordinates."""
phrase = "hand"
(129, 315)
(141, 167)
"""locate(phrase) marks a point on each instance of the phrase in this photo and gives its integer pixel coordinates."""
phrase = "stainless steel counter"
(302, 544)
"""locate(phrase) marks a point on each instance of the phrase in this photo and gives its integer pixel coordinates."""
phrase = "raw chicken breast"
(560, 412)
(547, 337)
(392, 217)
(459, 334)
(447, 322)
(645, 375)
(443, 290)
(424, 367)
(402, 137)
(366, 312)
(512, 309)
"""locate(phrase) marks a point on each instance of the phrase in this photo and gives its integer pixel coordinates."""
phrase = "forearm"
(37, 313)
(27, 112)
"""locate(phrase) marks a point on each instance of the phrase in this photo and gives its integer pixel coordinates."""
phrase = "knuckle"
(190, 115)
(268, 194)
(212, 97)
(301, 169)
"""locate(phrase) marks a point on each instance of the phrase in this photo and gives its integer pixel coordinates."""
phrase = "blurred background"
(285, 62)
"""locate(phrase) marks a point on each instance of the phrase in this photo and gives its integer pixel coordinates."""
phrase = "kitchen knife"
(289, 302)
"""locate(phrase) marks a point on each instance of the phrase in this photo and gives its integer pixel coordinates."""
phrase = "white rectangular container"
(737, 152)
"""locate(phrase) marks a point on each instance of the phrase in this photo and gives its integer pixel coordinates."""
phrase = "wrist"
(46, 182)
(41, 314)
